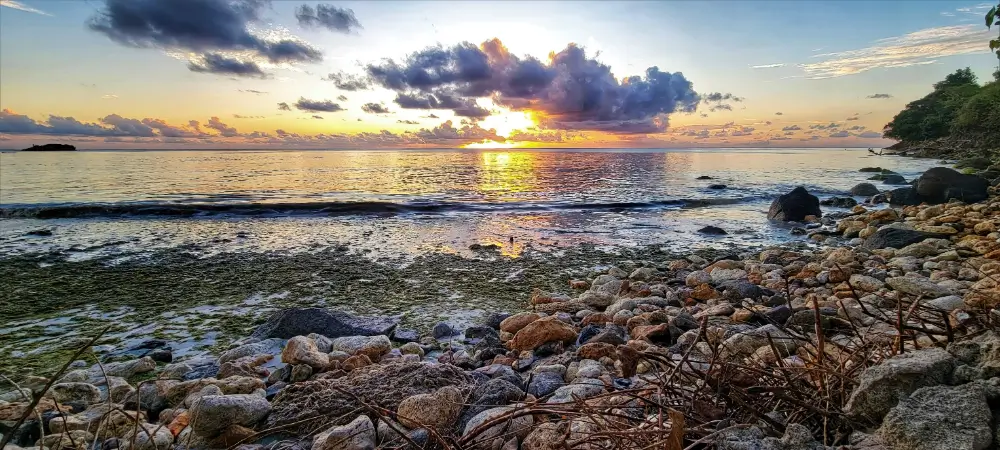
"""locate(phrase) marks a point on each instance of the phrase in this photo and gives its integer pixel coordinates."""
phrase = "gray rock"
(918, 285)
(293, 322)
(357, 435)
(747, 342)
(127, 369)
(147, 437)
(896, 238)
(584, 388)
(211, 414)
(368, 345)
(545, 383)
(940, 184)
(76, 392)
(611, 334)
(265, 347)
(499, 433)
(443, 330)
(864, 190)
(881, 387)
(175, 371)
(940, 418)
(947, 303)
(493, 393)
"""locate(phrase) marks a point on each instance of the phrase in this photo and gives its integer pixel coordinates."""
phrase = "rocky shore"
(883, 336)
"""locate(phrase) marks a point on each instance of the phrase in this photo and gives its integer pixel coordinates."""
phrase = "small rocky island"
(50, 148)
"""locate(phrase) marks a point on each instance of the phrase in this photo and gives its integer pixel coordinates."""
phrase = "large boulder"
(940, 418)
(439, 410)
(794, 206)
(940, 184)
(903, 197)
(212, 414)
(384, 384)
(547, 329)
(864, 190)
(896, 238)
(293, 322)
(881, 387)
(357, 435)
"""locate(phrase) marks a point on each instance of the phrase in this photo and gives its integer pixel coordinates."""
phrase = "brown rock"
(514, 323)
(232, 436)
(544, 330)
(596, 351)
(704, 292)
(356, 362)
(652, 333)
(596, 319)
(302, 350)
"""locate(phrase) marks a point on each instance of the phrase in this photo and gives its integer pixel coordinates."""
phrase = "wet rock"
(940, 418)
(713, 230)
(544, 330)
(371, 346)
(211, 414)
(864, 190)
(438, 410)
(359, 434)
(717, 186)
(940, 184)
(839, 202)
(302, 350)
(903, 197)
(882, 386)
(293, 322)
(794, 206)
(896, 238)
(894, 179)
(385, 385)
(493, 320)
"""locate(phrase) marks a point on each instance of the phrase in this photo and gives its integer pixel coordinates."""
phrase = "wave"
(147, 209)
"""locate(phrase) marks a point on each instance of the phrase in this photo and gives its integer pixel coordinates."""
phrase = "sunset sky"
(293, 74)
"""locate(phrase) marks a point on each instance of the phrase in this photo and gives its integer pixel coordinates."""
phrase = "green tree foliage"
(991, 16)
(932, 116)
(980, 116)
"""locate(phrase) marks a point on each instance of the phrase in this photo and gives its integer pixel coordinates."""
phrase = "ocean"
(97, 203)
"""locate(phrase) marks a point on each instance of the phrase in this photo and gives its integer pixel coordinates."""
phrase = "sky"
(244, 74)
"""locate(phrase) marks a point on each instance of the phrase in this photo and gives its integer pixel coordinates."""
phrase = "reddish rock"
(514, 323)
(544, 330)
(596, 351)
(704, 292)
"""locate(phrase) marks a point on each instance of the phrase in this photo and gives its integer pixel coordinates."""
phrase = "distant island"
(50, 148)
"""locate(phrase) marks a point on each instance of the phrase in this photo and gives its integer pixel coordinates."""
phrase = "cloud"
(789, 133)
(318, 117)
(430, 116)
(348, 82)
(829, 126)
(856, 128)
(917, 48)
(870, 135)
(204, 27)
(879, 96)
(570, 91)
(779, 113)
(468, 132)
(20, 7)
(124, 126)
(224, 65)
(251, 91)
(375, 108)
(238, 116)
(341, 98)
(768, 66)
(109, 96)
(223, 129)
(840, 134)
(792, 128)
(341, 20)
(408, 122)
(168, 130)
(853, 118)
(305, 104)
(284, 106)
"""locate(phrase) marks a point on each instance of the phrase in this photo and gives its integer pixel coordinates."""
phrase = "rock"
(493, 320)
(543, 384)
(544, 330)
(357, 435)
(839, 202)
(302, 350)
(495, 435)
(894, 179)
(723, 275)
(917, 285)
(75, 440)
(697, 278)
(713, 230)
(865, 283)
(401, 335)
(746, 343)
(147, 437)
(439, 410)
(292, 322)
(127, 369)
(76, 392)
(479, 332)
(300, 372)
(514, 323)
(903, 197)
(212, 414)
(265, 347)
(493, 393)
(443, 330)
(385, 385)
(162, 355)
(717, 186)
(580, 390)
(864, 190)
(947, 303)
(940, 184)
(882, 386)
(794, 206)
(978, 163)
(919, 250)
(371, 346)
(940, 418)
(547, 436)
(611, 334)
(412, 348)
(896, 238)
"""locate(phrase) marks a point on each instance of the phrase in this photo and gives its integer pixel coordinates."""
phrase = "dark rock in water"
(42, 232)
(443, 330)
(839, 202)
(545, 383)
(798, 231)
(288, 323)
(940, 184)
(161, 355)
(864, 190)
(894, 180)
(493, 319)
(717, 186)
(487, 348)
(978, 163)
(385, 385)
(896, 238)
(50, 148)
(794, 206)
(704, 177)
(903, 197)
(713, 231)
(481, 247)
(871, 169)
(878, 199)
(404, 336)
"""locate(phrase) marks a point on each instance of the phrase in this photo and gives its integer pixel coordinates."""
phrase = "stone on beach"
(211, 414)
(794, 206)
(359, 434)
(288, 323)
(547, 329)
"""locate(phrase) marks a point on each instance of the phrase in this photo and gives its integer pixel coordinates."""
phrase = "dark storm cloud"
(284, 106)
(879, 96)
(375, 108)
(305, 104)
(223, 129)
(570, 91)
(341, 20)
(222, 65)
(197, 26)
(792, 128)
(112, 125)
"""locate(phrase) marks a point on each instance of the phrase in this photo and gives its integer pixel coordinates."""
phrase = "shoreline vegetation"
(51, 148)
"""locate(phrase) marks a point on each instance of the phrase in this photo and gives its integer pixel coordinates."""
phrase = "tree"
(980, 116)
(992, 15)
(932, 117)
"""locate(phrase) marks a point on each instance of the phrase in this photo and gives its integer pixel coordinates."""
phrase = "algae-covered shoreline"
(202, 303)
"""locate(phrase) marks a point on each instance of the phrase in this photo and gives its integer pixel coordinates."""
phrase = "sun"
(486, 143)
(507, 122)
